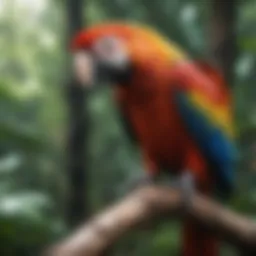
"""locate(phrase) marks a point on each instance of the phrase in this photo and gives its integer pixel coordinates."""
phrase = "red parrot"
(178, 110)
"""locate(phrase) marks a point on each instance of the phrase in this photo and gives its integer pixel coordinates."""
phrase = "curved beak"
(84, 68)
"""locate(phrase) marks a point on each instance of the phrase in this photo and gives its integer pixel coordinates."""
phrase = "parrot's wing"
(204, 108)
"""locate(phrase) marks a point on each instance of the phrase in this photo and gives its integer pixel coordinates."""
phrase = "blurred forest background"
(34, 119)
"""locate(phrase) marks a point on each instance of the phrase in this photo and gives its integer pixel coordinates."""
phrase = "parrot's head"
(112, 52)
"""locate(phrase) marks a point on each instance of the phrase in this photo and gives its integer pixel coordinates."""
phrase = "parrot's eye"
(111, 51)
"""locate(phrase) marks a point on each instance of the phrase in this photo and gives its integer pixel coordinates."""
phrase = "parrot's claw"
(186, 184)
(142, 181)
(137, 182)
(187, 188)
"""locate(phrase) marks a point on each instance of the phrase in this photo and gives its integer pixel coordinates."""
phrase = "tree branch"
(145, 205)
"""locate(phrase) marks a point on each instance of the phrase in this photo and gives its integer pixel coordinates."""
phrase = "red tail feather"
(197, 241)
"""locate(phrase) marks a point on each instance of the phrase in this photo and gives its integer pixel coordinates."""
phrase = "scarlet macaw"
(179, 111)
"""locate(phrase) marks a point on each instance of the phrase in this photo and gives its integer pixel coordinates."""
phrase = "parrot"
(178, 110)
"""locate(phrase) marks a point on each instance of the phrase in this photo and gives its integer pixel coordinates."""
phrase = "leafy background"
(33, 119)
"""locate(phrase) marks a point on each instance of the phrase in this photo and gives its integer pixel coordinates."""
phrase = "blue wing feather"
(212, 141)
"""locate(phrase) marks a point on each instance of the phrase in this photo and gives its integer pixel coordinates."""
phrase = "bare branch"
(145, 205)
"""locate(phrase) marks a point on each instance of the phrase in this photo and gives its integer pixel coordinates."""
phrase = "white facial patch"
(111, 52)
(83, 65)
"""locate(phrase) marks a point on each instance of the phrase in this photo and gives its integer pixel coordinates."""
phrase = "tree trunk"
(223, 36)
(77, 203)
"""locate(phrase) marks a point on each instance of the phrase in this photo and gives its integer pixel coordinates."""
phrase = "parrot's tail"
(197, 241)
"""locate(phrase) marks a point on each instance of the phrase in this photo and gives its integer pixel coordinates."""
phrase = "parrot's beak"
(84, 69)
(90, 70)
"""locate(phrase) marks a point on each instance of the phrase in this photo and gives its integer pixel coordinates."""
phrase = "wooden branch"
(145, 205)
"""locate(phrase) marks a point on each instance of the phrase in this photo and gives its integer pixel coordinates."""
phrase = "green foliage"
(26, 222)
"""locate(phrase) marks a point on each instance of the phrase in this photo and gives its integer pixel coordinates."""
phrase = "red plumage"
(148, 102)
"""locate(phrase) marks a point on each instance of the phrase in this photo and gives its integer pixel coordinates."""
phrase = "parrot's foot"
(186, 184)
(144, 180)
(187, 188)
(137, 182)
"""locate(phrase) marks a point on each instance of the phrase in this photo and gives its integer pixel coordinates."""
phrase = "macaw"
(177, 110)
